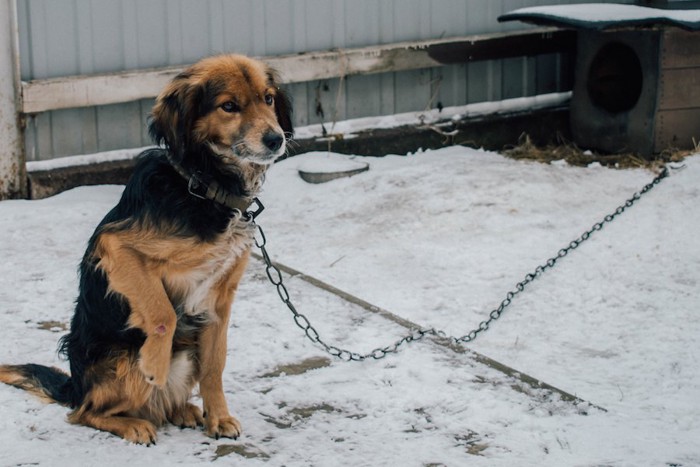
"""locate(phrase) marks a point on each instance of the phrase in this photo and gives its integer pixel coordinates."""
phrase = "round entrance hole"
(615, 78)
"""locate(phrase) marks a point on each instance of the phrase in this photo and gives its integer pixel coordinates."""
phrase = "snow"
(438, 238)
(85, 159)
(606, 13)
(432, 116)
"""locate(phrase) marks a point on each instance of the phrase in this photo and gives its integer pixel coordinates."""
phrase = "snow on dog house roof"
(601, 16)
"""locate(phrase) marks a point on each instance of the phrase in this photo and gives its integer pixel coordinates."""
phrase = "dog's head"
(230, 104)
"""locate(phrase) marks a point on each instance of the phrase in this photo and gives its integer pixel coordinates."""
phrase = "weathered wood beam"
(113, 88)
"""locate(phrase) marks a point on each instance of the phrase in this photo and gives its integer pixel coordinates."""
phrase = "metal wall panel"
(71, 37)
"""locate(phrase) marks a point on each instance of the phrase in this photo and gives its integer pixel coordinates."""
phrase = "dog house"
(637, 75)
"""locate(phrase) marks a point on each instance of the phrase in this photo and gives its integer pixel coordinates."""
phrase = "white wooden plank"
(84, 91)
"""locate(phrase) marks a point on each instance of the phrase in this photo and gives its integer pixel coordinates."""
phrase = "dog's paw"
(140, 432)
(154, 360)
(187, 416)
(224, 427)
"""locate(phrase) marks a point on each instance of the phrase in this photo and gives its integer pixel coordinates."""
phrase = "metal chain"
(275, 276)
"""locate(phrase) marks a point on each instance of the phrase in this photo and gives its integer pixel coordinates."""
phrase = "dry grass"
(574, 155)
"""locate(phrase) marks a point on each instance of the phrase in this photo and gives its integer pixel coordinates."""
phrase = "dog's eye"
(230, 107)
(269, 99)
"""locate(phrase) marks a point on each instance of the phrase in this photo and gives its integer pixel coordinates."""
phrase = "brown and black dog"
(160, 272)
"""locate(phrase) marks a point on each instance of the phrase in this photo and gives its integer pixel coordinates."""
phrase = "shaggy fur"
(161, 270)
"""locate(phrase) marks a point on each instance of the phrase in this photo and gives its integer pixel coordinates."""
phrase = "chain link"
(275, 276)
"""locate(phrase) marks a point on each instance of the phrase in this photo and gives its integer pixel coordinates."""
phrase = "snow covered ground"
(437, 238)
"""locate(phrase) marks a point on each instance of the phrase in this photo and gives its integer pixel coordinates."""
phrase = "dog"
(160, 272)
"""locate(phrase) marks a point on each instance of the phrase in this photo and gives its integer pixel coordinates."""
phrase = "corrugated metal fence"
(77, 37)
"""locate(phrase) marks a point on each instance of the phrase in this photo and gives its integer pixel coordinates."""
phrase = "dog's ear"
(283, 110)
(175, 111)
(283, 105)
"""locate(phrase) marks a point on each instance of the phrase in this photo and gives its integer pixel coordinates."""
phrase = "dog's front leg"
(218, 421)
(212, 356)
(131, 274)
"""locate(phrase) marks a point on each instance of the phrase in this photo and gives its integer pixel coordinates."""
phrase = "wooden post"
(13, 179)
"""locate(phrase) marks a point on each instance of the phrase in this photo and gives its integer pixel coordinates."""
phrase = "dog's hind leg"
(121, 402)
(135, 430)
(136, 277)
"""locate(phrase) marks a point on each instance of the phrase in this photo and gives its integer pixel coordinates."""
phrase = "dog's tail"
(49, 383)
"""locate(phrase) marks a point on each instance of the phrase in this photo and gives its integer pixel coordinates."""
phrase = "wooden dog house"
(637, 75)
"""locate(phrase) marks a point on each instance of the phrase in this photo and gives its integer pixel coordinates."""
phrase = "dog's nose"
(273, 141)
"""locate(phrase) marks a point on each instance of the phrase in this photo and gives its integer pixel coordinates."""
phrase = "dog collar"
(212, 190)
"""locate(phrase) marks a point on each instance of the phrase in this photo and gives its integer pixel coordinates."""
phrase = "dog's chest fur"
(195, 277)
